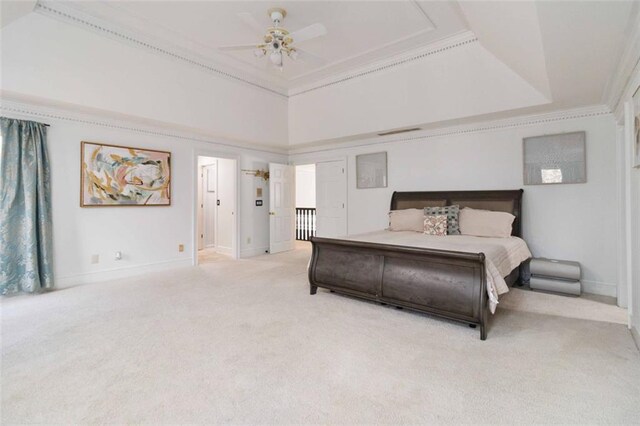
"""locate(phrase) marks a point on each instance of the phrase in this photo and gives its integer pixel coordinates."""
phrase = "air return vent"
(395, 132)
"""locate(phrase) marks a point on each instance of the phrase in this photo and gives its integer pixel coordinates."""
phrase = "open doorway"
(216, 209)
(305, 202)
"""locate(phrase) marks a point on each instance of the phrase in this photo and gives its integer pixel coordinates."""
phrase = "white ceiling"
(564, 53)
(358, 32)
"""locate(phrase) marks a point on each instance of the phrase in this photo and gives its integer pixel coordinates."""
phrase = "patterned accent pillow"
(435, 225)
(452, 213)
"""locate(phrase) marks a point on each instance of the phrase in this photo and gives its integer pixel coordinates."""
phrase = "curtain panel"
(25, 208)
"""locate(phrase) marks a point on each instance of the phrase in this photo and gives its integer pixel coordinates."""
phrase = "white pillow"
(485, 223)
(406, 220)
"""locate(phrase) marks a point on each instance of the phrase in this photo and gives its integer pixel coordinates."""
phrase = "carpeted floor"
(244, 342)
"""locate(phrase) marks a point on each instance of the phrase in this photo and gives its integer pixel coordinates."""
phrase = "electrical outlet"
(95, 258)
(118, 255)
(248, 240)
(180, 247)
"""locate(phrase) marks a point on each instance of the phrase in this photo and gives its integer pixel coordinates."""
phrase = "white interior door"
(282, 208)
(331, 198)
(209, 198)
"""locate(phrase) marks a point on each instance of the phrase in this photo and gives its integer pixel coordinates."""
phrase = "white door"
(331, 199)
(209, 198)
(282, 207)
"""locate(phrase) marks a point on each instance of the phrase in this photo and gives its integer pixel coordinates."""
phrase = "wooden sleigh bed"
(448, 284)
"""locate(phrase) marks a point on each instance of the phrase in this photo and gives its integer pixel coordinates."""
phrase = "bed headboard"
(502, 201)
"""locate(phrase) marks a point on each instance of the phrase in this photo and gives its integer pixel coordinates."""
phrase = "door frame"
(235, 243)
(205, 186)
(326, 160)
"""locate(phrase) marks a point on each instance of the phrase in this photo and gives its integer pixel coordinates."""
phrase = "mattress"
(502, 255)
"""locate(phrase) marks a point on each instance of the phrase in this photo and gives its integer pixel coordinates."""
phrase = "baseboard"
(227, 251)
(636, 336)
(597, 287)
(116, 273)
(251, 252)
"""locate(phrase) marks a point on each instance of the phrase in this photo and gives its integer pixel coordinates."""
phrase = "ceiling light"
(276, 58)
(278, 41)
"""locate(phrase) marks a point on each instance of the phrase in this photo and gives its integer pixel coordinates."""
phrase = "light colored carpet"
(209, 255)
(244, 342)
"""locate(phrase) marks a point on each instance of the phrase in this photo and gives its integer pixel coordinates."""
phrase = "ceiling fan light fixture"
(278, 41)
(276, 58)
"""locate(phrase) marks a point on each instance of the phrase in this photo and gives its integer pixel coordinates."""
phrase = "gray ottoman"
(560, 276)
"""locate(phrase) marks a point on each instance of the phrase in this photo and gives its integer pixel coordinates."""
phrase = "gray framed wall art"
(371, 170)
(554, 159)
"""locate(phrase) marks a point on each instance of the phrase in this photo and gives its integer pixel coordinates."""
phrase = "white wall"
(48, 59)
(460, 82)
(306, 185)
(147, 236)
(574, 222)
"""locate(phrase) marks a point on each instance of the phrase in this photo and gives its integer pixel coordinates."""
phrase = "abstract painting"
(123, 176)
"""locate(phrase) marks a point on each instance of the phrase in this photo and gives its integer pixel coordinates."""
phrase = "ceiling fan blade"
(307, 33)
(239, 47)
(310, 58)
(252, 22)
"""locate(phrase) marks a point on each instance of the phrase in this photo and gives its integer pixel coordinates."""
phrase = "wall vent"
(395, 132)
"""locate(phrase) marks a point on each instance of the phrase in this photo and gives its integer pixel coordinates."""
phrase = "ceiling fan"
(278, 41)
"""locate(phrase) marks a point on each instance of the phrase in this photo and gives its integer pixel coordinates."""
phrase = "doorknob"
(272, 213)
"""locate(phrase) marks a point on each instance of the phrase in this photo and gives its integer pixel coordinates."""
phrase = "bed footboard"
(448, 284)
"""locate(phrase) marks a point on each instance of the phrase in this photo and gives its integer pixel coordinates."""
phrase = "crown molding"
(413, 55)
(222, 67)
(37, 112)
(52, 113)
(477, 127)
(618, 83)
(66, 13)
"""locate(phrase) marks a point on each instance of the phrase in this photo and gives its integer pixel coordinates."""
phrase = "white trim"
(636, 337)
(41, 112)
(621, 224)
(596, 287)
(255, 251)
(227, 251)
(68, 14)
(440, 46)
(629, 59)
(116, 273)
(234, 251)
(481, 126)
(628, 147)
(229, 68)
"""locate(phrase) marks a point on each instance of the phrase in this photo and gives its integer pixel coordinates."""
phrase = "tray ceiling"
(358, 33)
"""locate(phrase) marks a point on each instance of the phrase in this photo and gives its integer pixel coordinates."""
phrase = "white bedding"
(502, 254)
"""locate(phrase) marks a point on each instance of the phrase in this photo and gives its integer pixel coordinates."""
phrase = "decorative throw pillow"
(435, 225)
(451, 212)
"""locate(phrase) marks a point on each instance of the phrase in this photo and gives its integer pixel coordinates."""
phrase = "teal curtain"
(25, 208)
